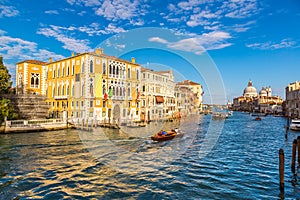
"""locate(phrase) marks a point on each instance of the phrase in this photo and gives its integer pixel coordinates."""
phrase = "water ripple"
(105, 164)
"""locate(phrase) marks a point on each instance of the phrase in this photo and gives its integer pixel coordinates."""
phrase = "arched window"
(68, 70)
(82, 89)
(137, 75)
(91, 87)
(63, 72)
(53, 92)
(73, 69)
(58, 90)
(73, 90)
(114, 70)
(37, 81)
(128, 73)
(63, 90)
(110, 69)
(53, 75)
(117, 72)
(34, 80)
(58, 72)
(103, 87)
(82, 67)
(117, 91)
(91, 66)
(68, 90)
(103, 68)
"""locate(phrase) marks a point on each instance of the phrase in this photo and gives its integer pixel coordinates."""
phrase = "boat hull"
(295, 125)
(168, 136)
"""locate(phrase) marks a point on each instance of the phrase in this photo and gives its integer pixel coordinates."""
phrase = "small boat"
(257, 118)
(295, 125)
(166, 135)
(142, 125)
(219, 116)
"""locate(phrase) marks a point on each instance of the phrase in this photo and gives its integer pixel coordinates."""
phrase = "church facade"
(263, 102)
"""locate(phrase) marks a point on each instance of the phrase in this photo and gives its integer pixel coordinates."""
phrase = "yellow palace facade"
(89, 86)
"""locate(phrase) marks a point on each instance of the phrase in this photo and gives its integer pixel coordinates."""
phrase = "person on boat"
(176, 130)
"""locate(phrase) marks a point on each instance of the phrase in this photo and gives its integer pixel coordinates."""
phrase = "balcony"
(61, 97)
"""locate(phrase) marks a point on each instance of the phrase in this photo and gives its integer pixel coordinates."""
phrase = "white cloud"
(87, 3)
(212, 14)
(51, 12)
(284, 43)
(116, 10)
(198, 44)
(240, 8)
(158, 39)
(2, 32)
(119, 9)
(69, 43)
(16, 48)
(8, 11)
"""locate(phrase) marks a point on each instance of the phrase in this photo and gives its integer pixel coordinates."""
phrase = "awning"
(159, 99)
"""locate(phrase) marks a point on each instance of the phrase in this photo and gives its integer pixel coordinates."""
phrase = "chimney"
(98, 51)
(50, 60)
(132, 59)
(73, 54)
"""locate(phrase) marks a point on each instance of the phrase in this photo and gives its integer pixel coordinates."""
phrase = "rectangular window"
(91, 104)
(77, 77)
(104, 104)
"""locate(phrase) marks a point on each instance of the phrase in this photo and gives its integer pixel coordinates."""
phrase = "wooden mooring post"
(281, 170)
(294, 156)
(298, 142)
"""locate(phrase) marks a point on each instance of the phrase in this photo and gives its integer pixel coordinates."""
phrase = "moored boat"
(295, 125)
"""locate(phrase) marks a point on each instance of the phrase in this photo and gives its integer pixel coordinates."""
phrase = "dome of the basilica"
(263, 92)
(250, 91)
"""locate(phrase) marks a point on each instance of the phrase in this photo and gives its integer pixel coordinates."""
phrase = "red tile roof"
(37, 62)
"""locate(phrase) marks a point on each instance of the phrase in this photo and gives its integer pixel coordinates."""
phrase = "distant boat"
(219, 115)
(295, 125)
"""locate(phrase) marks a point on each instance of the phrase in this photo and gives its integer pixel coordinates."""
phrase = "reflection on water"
(107, 164)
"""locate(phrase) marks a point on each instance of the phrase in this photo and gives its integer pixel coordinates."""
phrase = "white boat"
(295, 125)
(219, 115)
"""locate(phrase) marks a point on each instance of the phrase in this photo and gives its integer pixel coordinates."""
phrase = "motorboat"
(166, 135)
(295, 125)
(258, 118)
(219, 115)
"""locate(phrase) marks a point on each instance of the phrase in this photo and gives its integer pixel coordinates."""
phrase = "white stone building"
(157, 100)
(292, 93)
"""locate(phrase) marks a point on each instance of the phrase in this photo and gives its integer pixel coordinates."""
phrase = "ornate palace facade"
(97, 86)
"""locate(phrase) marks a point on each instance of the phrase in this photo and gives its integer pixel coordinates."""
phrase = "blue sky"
(245, 39)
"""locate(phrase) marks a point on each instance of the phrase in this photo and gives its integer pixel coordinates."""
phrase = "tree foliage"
(6, 108)
(5, 83)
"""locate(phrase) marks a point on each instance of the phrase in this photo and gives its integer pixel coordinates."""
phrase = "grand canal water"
(108, 164)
